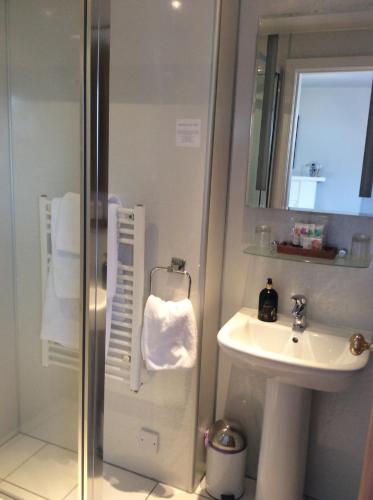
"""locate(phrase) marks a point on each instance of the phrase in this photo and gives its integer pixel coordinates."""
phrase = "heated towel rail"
(123, 360)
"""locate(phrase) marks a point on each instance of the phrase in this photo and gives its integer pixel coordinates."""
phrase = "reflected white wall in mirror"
(329, 141)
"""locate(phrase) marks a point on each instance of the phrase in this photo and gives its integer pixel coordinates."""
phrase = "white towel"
(61, 317)
(67, 236)
(112, 245)
(169, 336)
(63, 285)
(66, 265)
(112, 261)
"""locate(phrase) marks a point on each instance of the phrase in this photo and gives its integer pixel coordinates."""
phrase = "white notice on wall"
(188, 132)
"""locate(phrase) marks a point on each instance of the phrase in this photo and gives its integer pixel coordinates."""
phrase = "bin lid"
(226, 437)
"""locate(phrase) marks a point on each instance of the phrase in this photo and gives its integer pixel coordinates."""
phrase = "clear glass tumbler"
(263, 236)
(360, 247)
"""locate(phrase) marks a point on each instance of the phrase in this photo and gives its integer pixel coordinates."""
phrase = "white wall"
(333, 134)
(161, 67)
(45, 113)
(340, 296)
(8, 375)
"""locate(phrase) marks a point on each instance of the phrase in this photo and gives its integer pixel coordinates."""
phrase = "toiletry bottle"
(268, 301)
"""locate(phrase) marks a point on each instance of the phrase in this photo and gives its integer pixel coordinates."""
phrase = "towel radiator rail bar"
(124, 360)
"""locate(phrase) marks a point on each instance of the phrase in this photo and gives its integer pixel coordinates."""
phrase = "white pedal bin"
(226, 461)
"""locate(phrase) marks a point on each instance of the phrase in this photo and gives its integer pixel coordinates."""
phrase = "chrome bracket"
(177, 264)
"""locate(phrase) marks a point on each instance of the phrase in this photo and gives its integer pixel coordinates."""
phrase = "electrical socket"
(149, 441)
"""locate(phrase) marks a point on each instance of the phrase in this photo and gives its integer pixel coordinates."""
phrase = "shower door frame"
(95, 156)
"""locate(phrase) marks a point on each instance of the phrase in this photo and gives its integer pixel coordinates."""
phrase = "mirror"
(311, 138)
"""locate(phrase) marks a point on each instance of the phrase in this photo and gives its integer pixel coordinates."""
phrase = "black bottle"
(268, 300)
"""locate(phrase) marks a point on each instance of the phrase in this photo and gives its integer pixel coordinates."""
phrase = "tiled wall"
(336, 296)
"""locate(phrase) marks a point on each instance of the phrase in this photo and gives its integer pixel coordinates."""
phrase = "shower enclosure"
(114, 148)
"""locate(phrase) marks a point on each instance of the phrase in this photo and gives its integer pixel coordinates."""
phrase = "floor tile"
(51, 473)
(248, 495)
(123, 485)
(16, 492)
(16, 451)
(5, 497)
(168, 492)
(73, 495)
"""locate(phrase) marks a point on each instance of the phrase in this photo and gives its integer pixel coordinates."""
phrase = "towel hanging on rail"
(60, 338)
(61, 317)
(169, 336)
(67, 238)
(66, 263)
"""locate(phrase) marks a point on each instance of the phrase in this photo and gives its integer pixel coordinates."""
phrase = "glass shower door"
(40, 306)
(151, 169)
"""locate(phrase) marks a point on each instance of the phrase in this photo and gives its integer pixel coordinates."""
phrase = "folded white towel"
(61, 317)
(169, 336)
(67, 237)
(66, 265)
(112, 260)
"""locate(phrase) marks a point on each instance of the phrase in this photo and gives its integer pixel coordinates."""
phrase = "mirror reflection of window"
(331, 117)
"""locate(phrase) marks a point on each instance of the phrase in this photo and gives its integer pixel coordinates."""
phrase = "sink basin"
(318, 358)
(294, 363)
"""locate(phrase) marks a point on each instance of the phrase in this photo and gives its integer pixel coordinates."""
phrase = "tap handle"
(300, 303)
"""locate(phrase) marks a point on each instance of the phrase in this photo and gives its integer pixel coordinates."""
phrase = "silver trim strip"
(96, 158)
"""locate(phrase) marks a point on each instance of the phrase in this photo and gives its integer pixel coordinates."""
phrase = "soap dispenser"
(268, 301)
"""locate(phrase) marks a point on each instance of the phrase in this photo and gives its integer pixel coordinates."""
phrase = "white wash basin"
(320, 359)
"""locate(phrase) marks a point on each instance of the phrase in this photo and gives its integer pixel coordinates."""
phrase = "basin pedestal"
(283, 448)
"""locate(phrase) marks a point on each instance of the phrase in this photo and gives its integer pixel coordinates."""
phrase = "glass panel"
(161, 96)
(272, 253)
(40, 145)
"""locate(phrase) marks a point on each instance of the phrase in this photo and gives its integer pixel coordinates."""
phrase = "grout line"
(24, 489)
(23, 463)
(69, 493)
(9, 439)
(7, 494)
(6, 442)
(151, 491)
(204, 495)
(48, 442)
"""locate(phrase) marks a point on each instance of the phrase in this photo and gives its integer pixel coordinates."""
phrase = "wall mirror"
(311, 140)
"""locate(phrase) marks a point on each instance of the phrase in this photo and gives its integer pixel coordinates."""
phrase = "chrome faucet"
(299, 313)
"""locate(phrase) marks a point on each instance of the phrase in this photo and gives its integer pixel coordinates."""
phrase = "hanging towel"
(112, 245)
(61, 317)
(169, 336)
(112, 261)
(63, 284)
(66, 265)
(67, 236)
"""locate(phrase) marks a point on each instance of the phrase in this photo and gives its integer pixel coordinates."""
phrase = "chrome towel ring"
(177, 266)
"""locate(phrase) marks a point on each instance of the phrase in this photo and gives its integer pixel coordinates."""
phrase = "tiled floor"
(31, 469)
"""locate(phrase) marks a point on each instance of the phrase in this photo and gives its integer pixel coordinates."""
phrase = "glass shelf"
(273, 254)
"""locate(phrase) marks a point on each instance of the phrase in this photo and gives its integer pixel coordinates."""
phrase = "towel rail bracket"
(176, 266)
